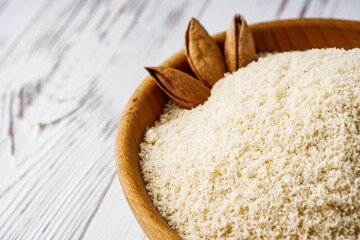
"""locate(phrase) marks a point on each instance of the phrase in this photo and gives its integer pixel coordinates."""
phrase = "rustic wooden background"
(67, 69)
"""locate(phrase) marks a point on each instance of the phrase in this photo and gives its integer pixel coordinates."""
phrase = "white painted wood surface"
(67, 69)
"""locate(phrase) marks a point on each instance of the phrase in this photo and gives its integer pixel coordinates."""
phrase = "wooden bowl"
(147, 103)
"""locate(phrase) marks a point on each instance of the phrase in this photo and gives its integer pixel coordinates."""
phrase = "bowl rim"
(147, 221)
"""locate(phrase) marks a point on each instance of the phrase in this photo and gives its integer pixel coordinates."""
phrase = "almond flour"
(274, 152)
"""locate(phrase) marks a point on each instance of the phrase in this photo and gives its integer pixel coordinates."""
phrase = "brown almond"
(203, 54)
(184, 89)
(239, 46)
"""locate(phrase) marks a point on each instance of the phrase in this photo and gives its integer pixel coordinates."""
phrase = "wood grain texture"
(146, 104)
(67, 69)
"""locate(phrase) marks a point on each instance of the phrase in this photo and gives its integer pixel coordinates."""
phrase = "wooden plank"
(106, 226)
(59, 113)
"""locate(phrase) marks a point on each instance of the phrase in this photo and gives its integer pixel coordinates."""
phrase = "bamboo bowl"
(147, 103)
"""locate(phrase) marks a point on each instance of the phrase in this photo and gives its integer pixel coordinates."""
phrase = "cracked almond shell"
(203, 54)
(239, 46)
(181, 87)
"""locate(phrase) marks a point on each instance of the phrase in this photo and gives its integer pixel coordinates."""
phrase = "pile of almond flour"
(273, 153)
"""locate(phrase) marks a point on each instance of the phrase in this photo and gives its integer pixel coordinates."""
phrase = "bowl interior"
(147, 103)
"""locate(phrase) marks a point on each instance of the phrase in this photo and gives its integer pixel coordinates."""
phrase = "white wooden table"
(67, 69)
